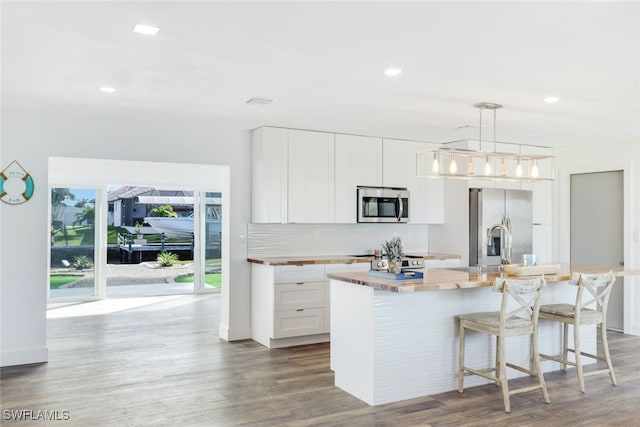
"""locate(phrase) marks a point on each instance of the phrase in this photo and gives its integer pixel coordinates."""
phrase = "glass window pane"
(72, 243)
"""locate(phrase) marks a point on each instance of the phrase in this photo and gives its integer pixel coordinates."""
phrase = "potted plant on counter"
(393, 251)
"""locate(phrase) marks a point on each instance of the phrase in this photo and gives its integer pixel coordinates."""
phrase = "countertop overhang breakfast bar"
(394, 340)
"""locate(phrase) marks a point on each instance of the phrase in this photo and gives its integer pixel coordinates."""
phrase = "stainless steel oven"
(382, 204)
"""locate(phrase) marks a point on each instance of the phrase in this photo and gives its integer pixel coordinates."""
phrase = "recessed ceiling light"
(259, 101)
(107, 89)
(551, 100)
(392, 72)
(146, 29)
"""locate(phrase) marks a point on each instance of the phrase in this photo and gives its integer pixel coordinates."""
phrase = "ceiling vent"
(259, 101)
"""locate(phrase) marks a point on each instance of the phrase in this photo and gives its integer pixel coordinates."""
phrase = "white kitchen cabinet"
(311, 178)
(541, 243)
(426, 203)
(269, 175)
(542, 190)
(290, 303)
(358, 162)
(442, 263)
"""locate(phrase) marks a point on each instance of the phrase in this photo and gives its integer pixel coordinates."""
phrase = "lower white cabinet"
(290, 303)
(299, 309)
(302, 321)
(442, 263)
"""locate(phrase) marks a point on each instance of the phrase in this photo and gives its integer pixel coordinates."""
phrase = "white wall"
(31, 137)
(332, 239)
(598, 158)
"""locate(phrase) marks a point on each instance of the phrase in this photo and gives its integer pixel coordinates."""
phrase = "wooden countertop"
(444, 278)
(338, 259)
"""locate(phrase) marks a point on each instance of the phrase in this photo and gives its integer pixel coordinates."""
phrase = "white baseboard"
(24, 356)
(235, 334)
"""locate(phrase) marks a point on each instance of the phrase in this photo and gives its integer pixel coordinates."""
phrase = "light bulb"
(435, 166)
(519, 169)
(487, 167)
(471, 169)
(453, 166)
(534, 170)
(503, 168)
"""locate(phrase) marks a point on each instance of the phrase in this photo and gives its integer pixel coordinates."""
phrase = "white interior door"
(597, 229)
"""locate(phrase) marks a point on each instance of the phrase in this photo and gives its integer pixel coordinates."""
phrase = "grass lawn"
(57, 280)
(75, 236)
(213, 279)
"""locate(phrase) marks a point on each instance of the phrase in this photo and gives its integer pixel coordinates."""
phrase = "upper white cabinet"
(311, 177)
(358, 162)
(269, 175)
(303, 176)
(542, 190)
(426, 196)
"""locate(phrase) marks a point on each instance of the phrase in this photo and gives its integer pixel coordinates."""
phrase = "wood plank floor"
(163, 364)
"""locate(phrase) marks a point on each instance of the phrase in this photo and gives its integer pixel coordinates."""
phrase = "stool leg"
(461, 360)
(576, 350)
(565, 344)
(607, 356)
(502, 376)
(536, 363)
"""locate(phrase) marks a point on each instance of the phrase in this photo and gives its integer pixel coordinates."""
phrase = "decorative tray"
(531, 270)
(405, 275)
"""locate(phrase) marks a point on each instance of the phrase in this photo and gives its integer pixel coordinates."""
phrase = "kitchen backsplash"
(331, 239)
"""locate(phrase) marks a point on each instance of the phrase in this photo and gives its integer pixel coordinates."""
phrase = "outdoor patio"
(128, 280)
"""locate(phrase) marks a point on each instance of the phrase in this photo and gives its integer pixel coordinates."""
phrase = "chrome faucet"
(505, 242)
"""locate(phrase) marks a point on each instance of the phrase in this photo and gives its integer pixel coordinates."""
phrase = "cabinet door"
(311, 177)
(269, 175)
(542, 191)
(426, 196)
(303, 321)
(434, 209)
(294, 296)
(358, 162)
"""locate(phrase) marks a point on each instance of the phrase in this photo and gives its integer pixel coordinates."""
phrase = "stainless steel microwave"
(383, 204)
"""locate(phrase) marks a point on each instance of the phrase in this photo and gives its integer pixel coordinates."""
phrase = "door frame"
(563, 252)
(99, 173)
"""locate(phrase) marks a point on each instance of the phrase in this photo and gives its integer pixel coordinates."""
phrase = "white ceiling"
(323, 64)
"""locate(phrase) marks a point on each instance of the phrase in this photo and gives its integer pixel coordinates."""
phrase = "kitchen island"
(393, 340)
(290, 294)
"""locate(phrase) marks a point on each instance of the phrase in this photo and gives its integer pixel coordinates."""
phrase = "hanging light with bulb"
(535, 172)
(453, 166)
(519, 169)
(505, 172)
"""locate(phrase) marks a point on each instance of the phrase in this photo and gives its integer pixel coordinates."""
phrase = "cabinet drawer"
(293, 296)
(441, 263)
(293, 323)
(342, 268)
(299, 273)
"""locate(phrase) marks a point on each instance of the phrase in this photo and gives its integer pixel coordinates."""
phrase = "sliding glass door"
(74, 245)
(208, 277)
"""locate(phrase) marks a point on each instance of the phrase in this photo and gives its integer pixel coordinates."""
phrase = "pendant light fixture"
(508, 166)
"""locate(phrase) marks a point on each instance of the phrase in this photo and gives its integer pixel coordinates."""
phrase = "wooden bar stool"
(597, 288)
(518, 316)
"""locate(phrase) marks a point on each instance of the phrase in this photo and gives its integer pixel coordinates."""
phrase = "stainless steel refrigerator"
(488, 206)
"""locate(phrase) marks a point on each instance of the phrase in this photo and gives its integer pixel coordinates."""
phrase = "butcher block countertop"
(338, 259)
(450, 278)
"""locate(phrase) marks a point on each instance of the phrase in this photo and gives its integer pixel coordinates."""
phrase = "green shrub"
(167, 259)
(81, 262)
(163, 211)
